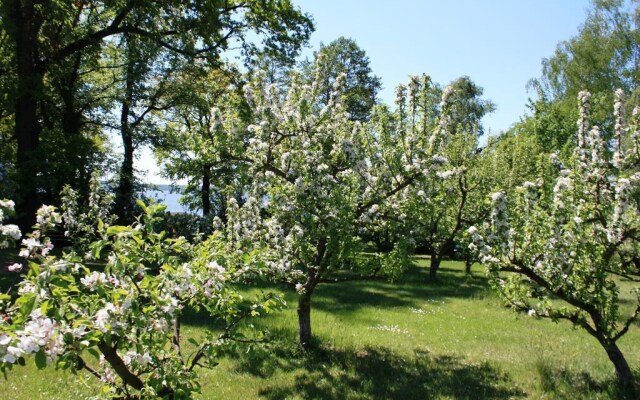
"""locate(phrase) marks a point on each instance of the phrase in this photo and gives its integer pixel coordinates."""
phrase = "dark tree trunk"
(222, 209)
(124, 201)
(304, 301)
(206, 190)
(77, 149)
(125, 192)
(304, 320)
(468, 262)
(623, 371)
(434, 265)
(113, 358)
(26, 24)
(314, 274)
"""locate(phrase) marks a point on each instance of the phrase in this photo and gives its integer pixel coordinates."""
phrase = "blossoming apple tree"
(319, 179)
(119, 320)
(568, 247)
(445, 203)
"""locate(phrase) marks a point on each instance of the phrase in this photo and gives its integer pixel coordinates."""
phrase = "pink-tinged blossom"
(16, 267)
(103, 318)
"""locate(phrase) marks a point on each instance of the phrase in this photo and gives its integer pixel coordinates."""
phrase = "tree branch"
(365, 206)
(112, 357)
(627, 324)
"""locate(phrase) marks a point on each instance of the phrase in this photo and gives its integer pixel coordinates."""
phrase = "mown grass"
(413, 339)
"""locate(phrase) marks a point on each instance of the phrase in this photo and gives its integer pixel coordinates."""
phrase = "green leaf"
(44, 307)
(114, 230)
(68, 338)
(27, 302)
(41, 359)
(142, 205)
(94, 352)
(34, 269)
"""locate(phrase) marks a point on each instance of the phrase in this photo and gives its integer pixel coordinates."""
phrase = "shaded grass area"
(413, 339)
(374, 372)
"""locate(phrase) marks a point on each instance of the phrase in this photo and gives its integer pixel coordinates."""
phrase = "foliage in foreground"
(121, 323)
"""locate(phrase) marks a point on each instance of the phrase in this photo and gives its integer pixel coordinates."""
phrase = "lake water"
(165, 196)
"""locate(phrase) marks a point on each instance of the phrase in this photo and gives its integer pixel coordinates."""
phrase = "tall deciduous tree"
(344, 56)
(603, 56)
(141, 92)
(466, 107)
(205, 138)
(42, 35)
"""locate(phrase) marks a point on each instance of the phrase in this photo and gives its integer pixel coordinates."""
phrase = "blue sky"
(499, 44)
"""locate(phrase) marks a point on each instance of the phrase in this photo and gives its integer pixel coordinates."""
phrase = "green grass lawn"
(414, 339)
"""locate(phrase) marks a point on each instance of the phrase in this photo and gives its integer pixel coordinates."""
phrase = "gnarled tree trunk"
(623, 371)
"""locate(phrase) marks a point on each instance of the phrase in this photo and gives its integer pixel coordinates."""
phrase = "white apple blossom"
(9, 233)
(325, 177)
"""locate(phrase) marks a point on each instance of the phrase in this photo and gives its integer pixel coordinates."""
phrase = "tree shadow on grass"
(563, 384)
(411, 291)
(374, 373)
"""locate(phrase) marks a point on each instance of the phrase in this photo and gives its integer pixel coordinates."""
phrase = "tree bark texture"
(206, 190)
(623, 371)
(304, 320)
(27, 126)
(124, 201)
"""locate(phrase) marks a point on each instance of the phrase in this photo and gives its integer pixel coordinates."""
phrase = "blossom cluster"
(9, 233)
(80, 221)
(37, 244)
